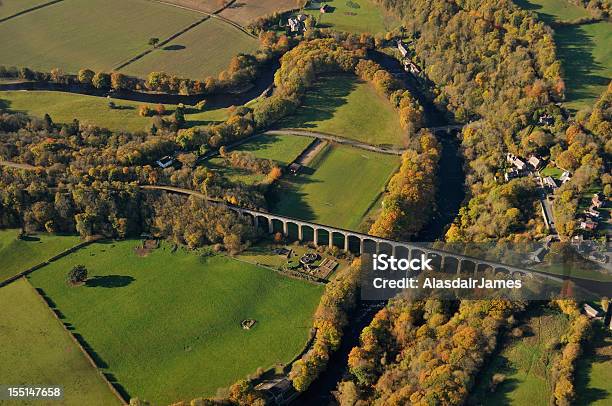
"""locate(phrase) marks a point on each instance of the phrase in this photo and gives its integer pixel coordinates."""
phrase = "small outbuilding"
(165, 161)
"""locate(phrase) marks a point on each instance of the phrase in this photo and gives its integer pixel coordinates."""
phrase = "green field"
(168, 324)
(94, 34)
(64, 107)
(344, 106)
(355, 16)
(593, 383)
(202, 51)
(584, 50)
(525, 362)
(11, 7)
(35, 349)
(337, 188)
(18, 255)
(282, 149)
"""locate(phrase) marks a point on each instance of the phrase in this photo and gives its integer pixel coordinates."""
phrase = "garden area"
(344, 106)
(35, 349)
(64, 107)
(17, 255)
(325, 192)
(167, 325)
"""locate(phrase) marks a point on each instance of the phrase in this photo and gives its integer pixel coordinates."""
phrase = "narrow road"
(336, 139)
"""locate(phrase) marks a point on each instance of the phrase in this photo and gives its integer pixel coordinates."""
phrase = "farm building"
(550, 182)
(598, 200)
(590, 311)
(565, 177)
(402, 48)
(588, 225)
(164, 162)
(591, 212)
(278, 391)
(546, 119)
(535, 162)
(516, 161)
(295, 168)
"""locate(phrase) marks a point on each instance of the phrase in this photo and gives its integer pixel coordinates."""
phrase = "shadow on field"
(575, 50)
(322, 101)
(175, 47)
(595, 353)
(109, 281)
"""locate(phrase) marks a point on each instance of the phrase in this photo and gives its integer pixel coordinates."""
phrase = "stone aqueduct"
(371, 244)
(366, 243)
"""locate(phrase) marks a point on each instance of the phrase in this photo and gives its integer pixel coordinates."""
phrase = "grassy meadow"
(355, 16)
(167, 324)
(69, 36)
(202, 51)
(18, 255)
(282, 149)
(35, 349)
(526, 363)
(584, 50)
(64, 107)
(345, 106)
(326, 192)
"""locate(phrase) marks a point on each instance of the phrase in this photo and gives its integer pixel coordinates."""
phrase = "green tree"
(77, 275)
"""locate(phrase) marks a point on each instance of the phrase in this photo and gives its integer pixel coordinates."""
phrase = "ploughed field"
(65, 107)
(35, 349)
(343, 105)
(19, 255)
(68, 36)
(203, 51)
(166, 323)
(337, 188)
(11, 7)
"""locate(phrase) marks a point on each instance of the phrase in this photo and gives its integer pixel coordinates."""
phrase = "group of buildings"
(409, 65)
(591, 218)
(297, 24)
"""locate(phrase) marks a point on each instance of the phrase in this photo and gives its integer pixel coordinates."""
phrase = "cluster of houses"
(592, 214)
(520, 167)
(409, 65)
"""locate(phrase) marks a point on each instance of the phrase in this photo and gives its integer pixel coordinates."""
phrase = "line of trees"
(564, 365)
(410, 199)
(241, 72)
